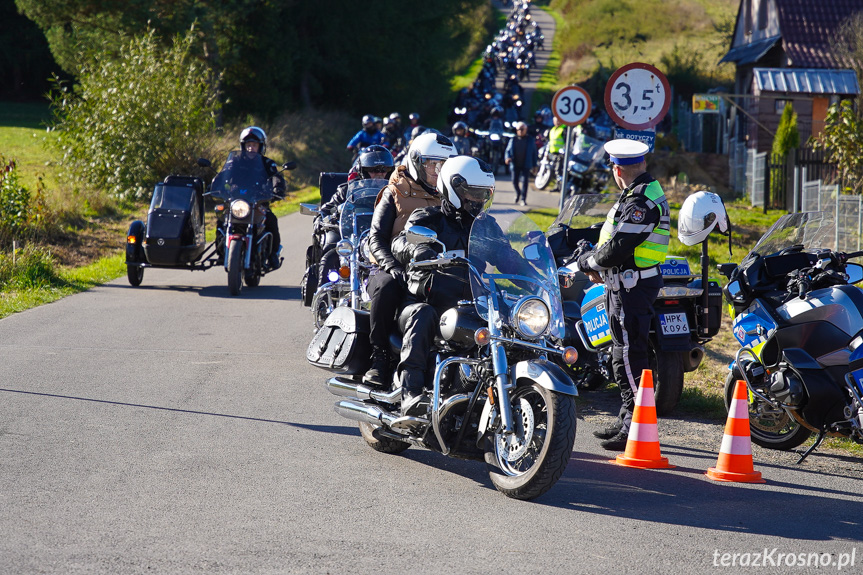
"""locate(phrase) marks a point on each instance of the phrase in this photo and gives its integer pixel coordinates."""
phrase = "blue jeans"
(520, 175)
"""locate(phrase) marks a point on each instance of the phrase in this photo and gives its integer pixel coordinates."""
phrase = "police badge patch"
(637, 216)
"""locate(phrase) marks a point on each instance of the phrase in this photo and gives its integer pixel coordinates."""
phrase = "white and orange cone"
(642, 443)
(735, 454)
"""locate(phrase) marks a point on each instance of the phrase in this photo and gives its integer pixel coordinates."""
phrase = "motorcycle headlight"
(240, 209)
(532, 317)
(344, 248)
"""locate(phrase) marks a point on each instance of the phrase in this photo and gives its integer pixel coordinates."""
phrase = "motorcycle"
(548, 168)
(346, 285)
(683, 324)
(799, 320)
(495, 395)
(587, 172)
(242, 190)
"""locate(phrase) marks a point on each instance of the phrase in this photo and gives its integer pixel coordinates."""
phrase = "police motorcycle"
(346, 285)
(799, 320)
(685, 319)
(174, 235)
(496, 395)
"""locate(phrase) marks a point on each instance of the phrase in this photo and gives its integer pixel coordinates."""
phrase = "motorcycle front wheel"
(235, 268)
(543, 176)
(527, 463)
(769, 427)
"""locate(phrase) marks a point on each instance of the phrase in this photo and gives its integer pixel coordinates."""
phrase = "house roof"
(750, 53)
(808, 27)
(806, 81)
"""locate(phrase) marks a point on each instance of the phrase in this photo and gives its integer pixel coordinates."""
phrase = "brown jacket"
(394, 205)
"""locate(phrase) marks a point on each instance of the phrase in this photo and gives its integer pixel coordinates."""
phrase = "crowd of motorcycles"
(510, 361)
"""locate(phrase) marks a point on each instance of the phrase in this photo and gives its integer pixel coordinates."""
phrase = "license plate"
(673, 323)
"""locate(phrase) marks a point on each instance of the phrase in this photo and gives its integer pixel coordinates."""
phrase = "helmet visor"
(474, 199)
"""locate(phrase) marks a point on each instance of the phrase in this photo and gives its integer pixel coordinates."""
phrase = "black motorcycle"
(682, 323)
(496, 397)
(799, 320)
(243, 191)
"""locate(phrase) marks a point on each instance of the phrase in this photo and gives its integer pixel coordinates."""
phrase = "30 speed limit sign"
(637, 96)
(571, 105)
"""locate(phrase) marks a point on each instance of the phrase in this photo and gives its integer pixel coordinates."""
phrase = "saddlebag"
(342, 344)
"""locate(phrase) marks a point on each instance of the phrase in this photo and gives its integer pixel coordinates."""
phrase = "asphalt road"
(172, 428)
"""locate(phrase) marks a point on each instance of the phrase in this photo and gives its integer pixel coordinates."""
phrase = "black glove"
(399, 274)
(424, 253)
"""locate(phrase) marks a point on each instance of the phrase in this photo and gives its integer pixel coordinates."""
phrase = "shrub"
(28, 268)
(135, 117)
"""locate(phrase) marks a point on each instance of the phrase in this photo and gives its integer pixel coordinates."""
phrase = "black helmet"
(375, 157)
(254, 134)
(368, 122)
(414, 116)
(459, 126)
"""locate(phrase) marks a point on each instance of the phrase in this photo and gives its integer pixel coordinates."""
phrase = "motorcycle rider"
(466, 186)
(632, 244)
(411, 187)
(368, 136)
(253, 145)
(393, 136)
(461, 139)
(413, 122)
(374, 162)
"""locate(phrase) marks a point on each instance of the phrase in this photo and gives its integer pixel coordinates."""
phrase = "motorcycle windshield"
(242, 177)
(812, 230)
(584, 210)
(359, 206)
(511, 253)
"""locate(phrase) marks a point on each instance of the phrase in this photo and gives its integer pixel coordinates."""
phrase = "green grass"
(549, 81)
(22, 135)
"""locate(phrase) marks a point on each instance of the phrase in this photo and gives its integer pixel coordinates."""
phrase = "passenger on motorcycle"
(368, 136)
(411, 187)
(253, 144)
(374, 162)
(466, 186)
(393, 136)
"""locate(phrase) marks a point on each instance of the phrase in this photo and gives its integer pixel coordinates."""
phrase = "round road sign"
(571, 105)
(637, 96)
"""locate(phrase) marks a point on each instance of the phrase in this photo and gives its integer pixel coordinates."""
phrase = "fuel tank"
(841, 306)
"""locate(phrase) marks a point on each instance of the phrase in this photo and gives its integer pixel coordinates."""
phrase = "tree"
(787, 135)
(842, 140)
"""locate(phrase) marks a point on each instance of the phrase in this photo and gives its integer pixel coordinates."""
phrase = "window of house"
(779, 106)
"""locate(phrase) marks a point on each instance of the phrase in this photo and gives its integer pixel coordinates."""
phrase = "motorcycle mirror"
(855, 273)
(420, 235)
(289, 165)
(309, 209)
(204, 162)
(733, 289)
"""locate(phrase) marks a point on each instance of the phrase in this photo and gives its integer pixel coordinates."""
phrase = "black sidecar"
(174, 236)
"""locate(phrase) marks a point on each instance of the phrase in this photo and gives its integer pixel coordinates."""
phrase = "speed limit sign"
(637, 96)
(571, 105)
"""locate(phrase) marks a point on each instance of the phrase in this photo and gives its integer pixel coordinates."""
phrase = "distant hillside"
(685, 39)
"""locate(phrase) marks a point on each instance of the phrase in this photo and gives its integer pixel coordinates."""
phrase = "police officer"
(556, 144)
(632, 244)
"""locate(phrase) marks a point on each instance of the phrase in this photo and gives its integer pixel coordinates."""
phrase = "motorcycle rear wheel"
(379, 442)
(135, 275)
(530, 462)
(543, 177)
(768, 429)
(667, 378)
(235, 268)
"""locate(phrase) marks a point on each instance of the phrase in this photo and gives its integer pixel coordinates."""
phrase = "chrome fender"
(545, 373)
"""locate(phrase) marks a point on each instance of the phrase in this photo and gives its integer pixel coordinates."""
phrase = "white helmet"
(467, 183)
(255, 134)
(700, 213)
(428, 147)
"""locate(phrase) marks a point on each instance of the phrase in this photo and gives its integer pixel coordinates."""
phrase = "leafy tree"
(842, 139)
(132, 119)
(787, 135)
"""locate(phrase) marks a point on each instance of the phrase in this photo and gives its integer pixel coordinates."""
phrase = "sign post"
(571, 106)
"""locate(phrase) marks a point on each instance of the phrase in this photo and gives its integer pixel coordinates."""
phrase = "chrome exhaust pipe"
(363, 413)
(349, 388)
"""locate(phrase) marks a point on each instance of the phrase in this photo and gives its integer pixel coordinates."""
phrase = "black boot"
(616, 443)
(414, 400)
(610, 431)
(379, 373)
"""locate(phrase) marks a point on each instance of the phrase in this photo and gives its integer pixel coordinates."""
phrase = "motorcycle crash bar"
(483, 336)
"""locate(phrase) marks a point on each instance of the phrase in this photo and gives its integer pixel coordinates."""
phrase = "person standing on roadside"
(556, 144)
(632, 244)
(521, 156)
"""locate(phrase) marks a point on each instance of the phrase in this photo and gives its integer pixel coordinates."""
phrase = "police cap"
(626, 152)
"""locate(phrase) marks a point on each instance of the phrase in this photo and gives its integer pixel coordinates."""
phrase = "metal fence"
(847, 210)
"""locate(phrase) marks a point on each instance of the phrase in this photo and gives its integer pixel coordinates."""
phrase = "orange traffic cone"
(735, 454)
(642, 444)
